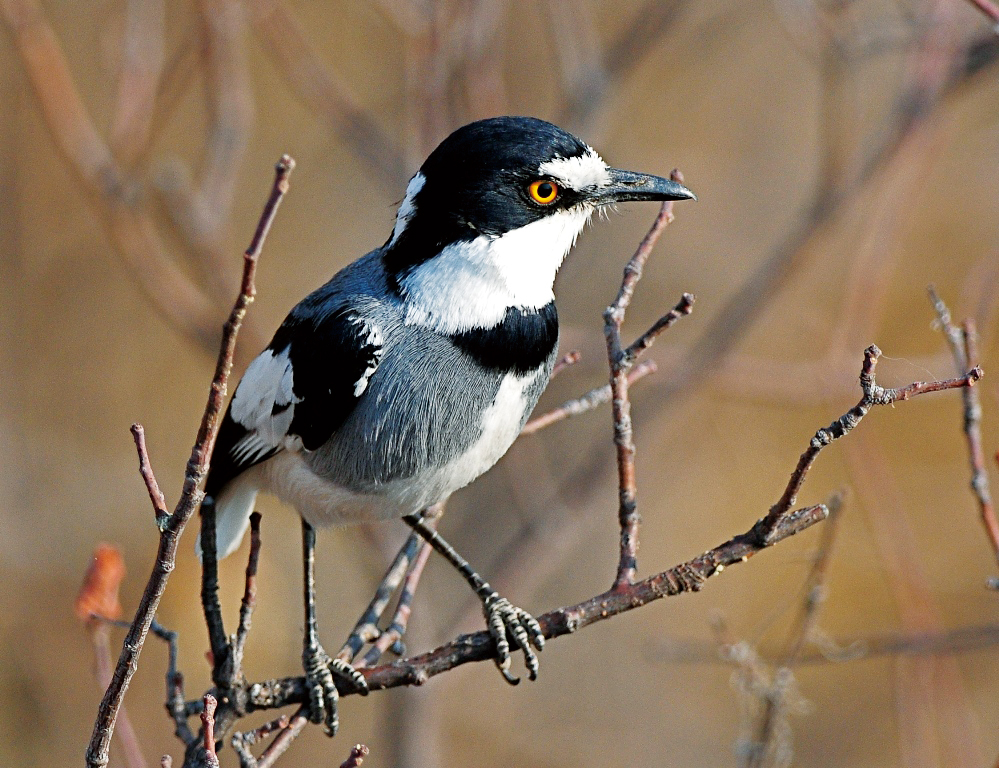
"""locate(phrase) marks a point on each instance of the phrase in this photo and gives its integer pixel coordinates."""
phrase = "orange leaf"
(99, 593)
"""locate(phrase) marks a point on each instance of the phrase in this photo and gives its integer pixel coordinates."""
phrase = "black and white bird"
(413, 370)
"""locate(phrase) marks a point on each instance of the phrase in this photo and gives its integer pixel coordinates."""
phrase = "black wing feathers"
(330, 358)
(332, 361)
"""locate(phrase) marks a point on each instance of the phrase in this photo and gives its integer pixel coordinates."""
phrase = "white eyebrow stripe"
(578, 173)
(408, 206)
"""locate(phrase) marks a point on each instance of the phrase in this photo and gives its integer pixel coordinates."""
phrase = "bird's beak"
(627, 185)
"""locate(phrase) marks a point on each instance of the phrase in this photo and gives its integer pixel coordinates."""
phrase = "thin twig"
(139, 77)
(241, 742)
(566, 361)
(400, 619)
(963, 343)
(684, 307)
(366, 629)
(285, 736)
(146, 470)
(208, 727)
(356, 757)
(779, 694)
(249, 596)
(873, 395)
(620, 363)
(592, 399)
(197, 467)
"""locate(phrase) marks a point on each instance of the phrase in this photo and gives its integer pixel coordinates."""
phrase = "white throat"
(472, 284)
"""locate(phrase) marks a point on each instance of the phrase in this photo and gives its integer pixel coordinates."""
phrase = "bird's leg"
(319, 667)
(505, 621)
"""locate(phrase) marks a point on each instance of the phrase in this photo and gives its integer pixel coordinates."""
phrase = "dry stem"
(197, 467)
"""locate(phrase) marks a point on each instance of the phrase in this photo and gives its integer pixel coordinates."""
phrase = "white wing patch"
(373, 339)
(583, 172)
(264, 404)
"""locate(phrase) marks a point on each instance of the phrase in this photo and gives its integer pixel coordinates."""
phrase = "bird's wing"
(298, 391)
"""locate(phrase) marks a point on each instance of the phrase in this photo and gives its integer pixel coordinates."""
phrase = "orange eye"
(543, 191)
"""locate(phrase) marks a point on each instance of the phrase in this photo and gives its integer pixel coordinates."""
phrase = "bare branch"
(249, 601)
(620, 362)
(873, 395)
(208, 727)
(197, 467)
(964, 348)
(146, 470)
(686, 577)
(592, 399)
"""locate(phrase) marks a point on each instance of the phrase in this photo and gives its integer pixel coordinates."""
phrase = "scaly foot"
(323, 695)
(503, 620)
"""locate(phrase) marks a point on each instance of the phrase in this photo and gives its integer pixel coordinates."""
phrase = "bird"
(412, 371)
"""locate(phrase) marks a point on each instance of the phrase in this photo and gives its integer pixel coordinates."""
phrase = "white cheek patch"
(408, 206)
(472, 284)
(578, 173)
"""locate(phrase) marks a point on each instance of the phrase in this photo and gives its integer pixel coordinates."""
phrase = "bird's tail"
(232, 517)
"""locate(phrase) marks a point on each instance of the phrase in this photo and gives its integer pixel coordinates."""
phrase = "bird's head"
(494, 210)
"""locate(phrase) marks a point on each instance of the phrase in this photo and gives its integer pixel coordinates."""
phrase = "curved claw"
(507, 621)
(323, 695)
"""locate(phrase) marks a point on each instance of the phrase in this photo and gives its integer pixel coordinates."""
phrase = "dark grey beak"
(627, 185)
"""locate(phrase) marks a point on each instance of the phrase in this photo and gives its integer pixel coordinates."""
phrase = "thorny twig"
(197, 467)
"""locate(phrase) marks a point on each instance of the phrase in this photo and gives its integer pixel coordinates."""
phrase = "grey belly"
(431, 421)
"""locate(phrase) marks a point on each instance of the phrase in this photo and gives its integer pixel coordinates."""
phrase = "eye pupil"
(543, 192)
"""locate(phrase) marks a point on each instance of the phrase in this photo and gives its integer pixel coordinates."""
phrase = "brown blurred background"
(845, 156)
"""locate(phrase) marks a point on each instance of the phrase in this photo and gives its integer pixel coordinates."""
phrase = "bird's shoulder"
(310, 377)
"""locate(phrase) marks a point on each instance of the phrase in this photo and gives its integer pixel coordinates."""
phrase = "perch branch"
(778, 524)
(479, 646)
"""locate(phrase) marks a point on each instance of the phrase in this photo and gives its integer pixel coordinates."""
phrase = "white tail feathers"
(233, 508)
